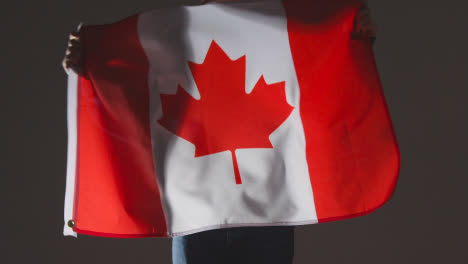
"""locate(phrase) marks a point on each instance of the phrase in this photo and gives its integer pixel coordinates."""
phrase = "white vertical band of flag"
(72, 100)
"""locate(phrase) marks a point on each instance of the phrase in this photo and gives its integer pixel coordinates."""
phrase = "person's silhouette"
(263, 244)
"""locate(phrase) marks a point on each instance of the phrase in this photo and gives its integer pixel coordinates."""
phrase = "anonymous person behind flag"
(251, 244)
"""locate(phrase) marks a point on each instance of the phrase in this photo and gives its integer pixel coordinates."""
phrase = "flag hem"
(214, 227)
(196, 230)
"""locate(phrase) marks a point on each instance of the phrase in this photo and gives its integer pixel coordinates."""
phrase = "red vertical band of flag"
(351, 149)
(116, 184)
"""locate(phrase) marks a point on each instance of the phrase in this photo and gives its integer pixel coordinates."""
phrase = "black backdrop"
(422, 58)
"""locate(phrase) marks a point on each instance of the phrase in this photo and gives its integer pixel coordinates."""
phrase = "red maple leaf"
(225, 117)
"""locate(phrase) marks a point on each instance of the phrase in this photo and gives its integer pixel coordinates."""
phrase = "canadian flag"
(250, 113)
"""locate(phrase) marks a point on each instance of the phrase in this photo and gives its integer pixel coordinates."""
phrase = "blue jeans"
(243, 245)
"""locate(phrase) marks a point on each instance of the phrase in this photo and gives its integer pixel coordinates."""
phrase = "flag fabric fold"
(250, 113)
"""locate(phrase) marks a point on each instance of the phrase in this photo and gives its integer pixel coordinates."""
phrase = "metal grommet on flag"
(71, 223)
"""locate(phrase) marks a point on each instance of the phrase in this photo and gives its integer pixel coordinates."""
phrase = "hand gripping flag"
(250, 113)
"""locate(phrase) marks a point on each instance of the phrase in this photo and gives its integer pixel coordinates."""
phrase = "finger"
(73, 38)
(365, 22)
(70, 66)
(364, 12)
(360, 33)
(74, 35)
(74, 55)
(364, 27)
(74, 50)
(361, 17)
(65, 66)
(370, 29)
(79, 27)
(367, 33)
(72, 59)
(357, 30)
(364, 18)
(356, 34)
(74, 67)
(75, 46)
(74, 43)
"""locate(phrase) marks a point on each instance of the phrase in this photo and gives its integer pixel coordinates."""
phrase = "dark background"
(421, 52)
